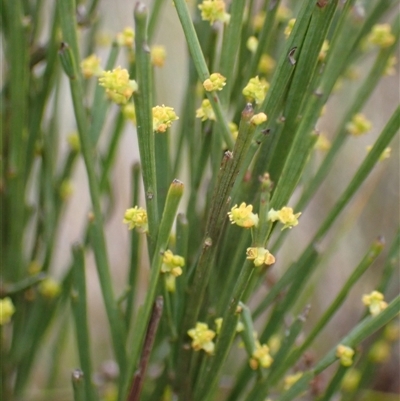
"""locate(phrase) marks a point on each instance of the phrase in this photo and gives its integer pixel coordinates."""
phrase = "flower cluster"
(172, 267)
(285, 216)
(252, 44)
(381, 36)
(218, 325)
(375, 302)
(163, 117)
(91, 66)
(243, 216)
(258, 118)
(256, 90)
(136, 218)
(358, 125)
(119, 88)
(214, 10)
(345, 354)
(126, 37)
(260, 256)
(49, 288)
(260, 357)
(266, 64)
(7, 309)
(323, 143)
(202, 338)
(158, 55)
(205, 112)
(215, 83)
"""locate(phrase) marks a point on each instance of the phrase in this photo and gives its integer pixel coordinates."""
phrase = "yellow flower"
(258, 21)
(392, 332)
(74, 142)
(384, 155)
(323, 143)
(7, 309)
(380, 352)
(158, 55)
(323, 51)
(214, 10)
(381, 36)
(258, 119)
(218, 325)
(172, 264)
(285, 216)
(66, 189)
(119, 88)
(283, 13)
(129, 112)
(126, 37)
(215, 83)
(291, 379)
(233, 128)
(163, 117)
(91, 66)
(261, 256)
(136, 218)
(202, 338)
(345, 354)
(34, 267)
(266, 64)
(289, 27)
(358, 125)
(261, 357)
(351, 380)
(256, 90)
(205, 112)
(50, 288)
(375, 302)
(252, 44)
(390, 66)
(243, 216)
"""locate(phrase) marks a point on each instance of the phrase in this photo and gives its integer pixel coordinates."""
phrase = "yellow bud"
(7, 309)
(158, 55)
(214, 10)
(49, 288)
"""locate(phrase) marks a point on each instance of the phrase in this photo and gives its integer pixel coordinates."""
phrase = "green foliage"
(239, 160)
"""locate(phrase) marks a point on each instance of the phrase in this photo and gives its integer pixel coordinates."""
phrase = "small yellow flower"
(392, 332)
(260, 357)
(91, 66)
(243, 216)
(205, 112)
(258, 21)
(74, 142)
(252, 44)
(129, 112)
(381, 36)
(233, 128)
(291, 379)
(379, 352)
(126, 37)
(323, 143)
(163, 117)
(119, 88)
(158, 55)
(215, 83)
(172, 264)
(352, 73)
(261, 256)
(274, 343)
(351, 380)
(7, 309)
(384, 155)
(202, 338)
(375, 302)
(266, 64)
(34, 267)
(218, 325)
(256, 90)
(285, 216)
(358, 125)
(345, 354)
(214, 10)
(258, 118)
(390, 66)
(323, 51)
(136, 218)
(66, 189)
(283, 13)
(289, 27)
(50, 288)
